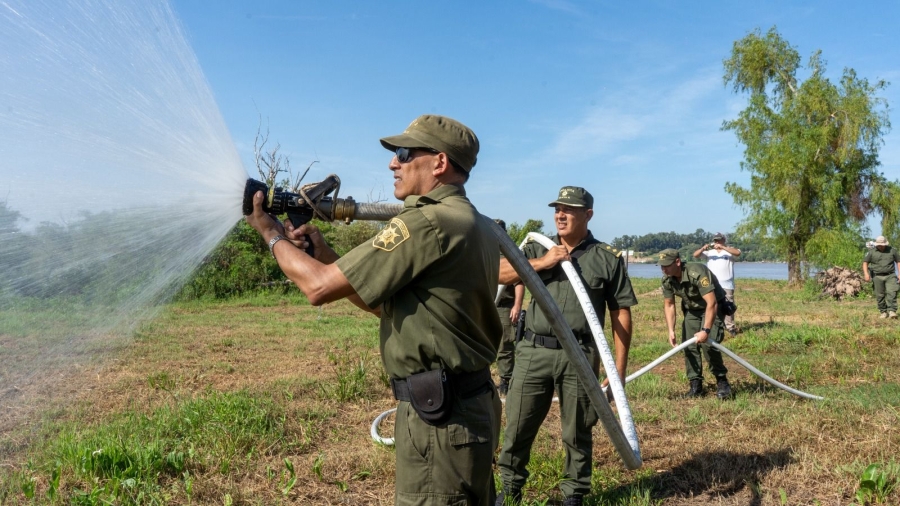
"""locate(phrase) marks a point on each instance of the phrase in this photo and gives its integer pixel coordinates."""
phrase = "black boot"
(696, 388)
(509, 498)
(723, 389)
(574, 500)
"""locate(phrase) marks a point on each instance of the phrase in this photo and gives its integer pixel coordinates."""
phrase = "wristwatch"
(272, 244)
(707, 330)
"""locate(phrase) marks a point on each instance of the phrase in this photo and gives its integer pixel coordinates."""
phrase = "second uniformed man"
(881, 265)
(541, 363)
(700, 295)
(431, 275)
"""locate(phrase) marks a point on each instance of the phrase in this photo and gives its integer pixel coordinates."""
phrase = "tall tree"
(811, 148)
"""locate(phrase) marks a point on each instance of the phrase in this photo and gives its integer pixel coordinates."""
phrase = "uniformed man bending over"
(701, 298)
(431, 275)
(542, 365)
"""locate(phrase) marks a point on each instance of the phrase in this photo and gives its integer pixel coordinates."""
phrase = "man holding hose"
(702, 300)
(541, 363)
(431, 275)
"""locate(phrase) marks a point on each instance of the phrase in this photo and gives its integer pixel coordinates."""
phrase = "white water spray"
(117, 176)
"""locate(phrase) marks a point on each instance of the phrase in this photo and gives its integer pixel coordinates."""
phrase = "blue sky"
(623, 98)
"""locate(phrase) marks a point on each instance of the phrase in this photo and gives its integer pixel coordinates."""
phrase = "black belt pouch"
(430, 396)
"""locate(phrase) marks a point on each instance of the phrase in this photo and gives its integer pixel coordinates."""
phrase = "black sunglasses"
(406, 154)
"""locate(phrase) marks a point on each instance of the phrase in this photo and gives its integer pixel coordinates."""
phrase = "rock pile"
(839, 282)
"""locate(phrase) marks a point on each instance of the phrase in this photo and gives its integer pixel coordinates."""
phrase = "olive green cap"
(667, 257)
(574, 196)
(441, 134)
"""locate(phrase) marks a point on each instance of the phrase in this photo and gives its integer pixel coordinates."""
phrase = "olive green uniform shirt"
(882, 263)
(603, 274)
(696, 281)
(434, 271)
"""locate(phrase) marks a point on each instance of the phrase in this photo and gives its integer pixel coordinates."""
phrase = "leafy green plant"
(317, 466)
(875, 485)
(291, 477)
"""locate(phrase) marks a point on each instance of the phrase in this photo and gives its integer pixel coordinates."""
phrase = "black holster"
(431, 393)
(520, 326)
(431, 396)
(726, 308)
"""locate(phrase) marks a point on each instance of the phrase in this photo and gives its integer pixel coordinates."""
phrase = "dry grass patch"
(318, 375)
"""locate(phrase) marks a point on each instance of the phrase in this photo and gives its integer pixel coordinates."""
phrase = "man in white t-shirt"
(720, 260)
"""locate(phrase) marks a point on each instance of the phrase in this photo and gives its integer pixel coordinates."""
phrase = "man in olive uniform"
(701, 297)
(883, 262)
(541, 363)
(508, 308)
(431, 275)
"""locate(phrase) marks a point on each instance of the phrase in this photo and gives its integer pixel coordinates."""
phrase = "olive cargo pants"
(537, 373)
(886, 288)
(506, 355)
(694, 354)
(449, 464)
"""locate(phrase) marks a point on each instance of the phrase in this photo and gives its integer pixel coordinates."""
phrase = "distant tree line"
(686, 244)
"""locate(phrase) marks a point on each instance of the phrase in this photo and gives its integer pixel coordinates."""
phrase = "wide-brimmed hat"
(881, 241)
(667, 257)
(439, 133)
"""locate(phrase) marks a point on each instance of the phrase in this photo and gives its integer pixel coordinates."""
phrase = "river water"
(757, 270)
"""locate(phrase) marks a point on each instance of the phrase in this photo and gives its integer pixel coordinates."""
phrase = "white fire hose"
(626, 445)
(625, 441)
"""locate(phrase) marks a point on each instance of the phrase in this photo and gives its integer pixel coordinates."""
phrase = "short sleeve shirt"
(696, 281)
(881, 263)
(721, 263)
(433, 269)
(604, 277)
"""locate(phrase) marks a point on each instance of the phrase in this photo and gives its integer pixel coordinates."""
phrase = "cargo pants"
(537, 373)
(506, 354)
(694, 354)
(448, 464)
(886, 288)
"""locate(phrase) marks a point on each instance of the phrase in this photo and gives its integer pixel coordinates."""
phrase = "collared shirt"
(881, 263)
(433, 270)
(604, 277)
(696, 281)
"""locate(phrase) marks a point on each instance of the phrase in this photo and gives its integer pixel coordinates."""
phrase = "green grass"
(267, 400)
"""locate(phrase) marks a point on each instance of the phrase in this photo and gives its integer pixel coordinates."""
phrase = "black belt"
(548, 342)
(464, 385)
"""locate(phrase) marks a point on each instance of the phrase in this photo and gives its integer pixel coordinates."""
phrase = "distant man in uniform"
(720, 260)
(431, 275)
(542, 365)
(508, 308)
(700, 295)
(883, 261)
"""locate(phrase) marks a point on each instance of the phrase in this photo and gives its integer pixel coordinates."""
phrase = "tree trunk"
(795, 271)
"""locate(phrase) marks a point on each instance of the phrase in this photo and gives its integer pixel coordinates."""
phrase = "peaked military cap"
(441, 134)
(667, 257)
(574, 196)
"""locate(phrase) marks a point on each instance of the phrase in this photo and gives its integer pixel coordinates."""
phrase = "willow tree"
(811, 149)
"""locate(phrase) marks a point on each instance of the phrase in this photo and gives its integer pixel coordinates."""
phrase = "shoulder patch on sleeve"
(391, 236)
(704, 281)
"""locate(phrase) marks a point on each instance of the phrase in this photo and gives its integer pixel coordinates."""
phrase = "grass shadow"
(718, 474)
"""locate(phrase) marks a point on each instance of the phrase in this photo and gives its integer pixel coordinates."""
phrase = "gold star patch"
(391, 236)
(704, 282)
